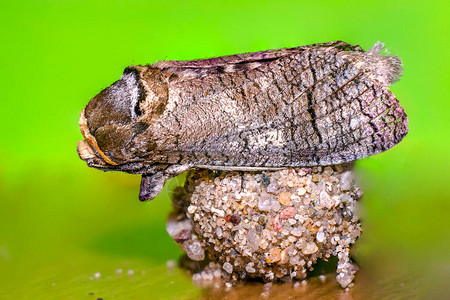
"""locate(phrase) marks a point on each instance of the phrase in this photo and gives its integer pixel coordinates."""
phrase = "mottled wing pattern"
(311, 105)
(190, 69)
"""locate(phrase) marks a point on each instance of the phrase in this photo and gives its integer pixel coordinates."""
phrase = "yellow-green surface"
(61, 222)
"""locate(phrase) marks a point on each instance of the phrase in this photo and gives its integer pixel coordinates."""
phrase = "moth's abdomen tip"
(377, 63)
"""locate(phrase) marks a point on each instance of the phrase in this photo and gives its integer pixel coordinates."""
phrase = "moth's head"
(108, 122)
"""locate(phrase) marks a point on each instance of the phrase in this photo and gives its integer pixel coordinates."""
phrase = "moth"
(314, 105)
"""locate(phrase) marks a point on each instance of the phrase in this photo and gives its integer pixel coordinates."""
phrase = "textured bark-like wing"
(190, 69)
(320, 105)
(352, 113)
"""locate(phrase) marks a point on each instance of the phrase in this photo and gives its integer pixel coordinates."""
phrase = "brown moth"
(313, 105)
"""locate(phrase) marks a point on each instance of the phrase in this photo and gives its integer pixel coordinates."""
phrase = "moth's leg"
(151, 185)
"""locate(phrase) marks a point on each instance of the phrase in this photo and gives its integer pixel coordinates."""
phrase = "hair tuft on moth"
(313, 105)
(378, 64)
(115, 104)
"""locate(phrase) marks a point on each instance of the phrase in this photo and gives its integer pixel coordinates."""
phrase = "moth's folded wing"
(189, 69)
(371, 123)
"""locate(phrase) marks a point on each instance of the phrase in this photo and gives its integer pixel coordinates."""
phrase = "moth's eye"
(115, 104)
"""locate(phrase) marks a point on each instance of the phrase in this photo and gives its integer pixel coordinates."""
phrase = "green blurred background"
(61, 222)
